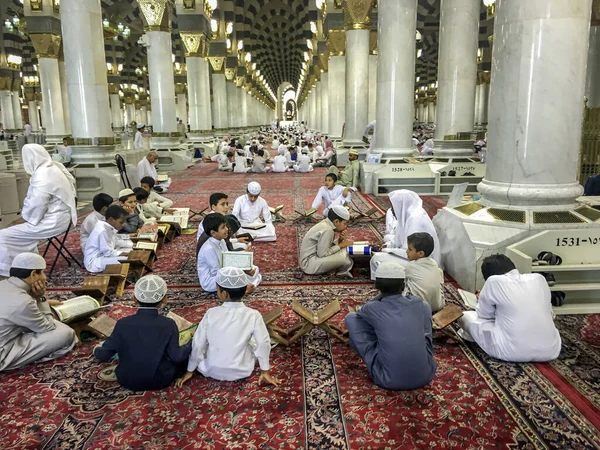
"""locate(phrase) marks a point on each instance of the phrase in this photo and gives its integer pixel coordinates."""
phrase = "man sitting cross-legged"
(249, 208)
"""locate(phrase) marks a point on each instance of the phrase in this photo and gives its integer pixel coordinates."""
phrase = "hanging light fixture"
(120, 27)
(313, 27)
(419, 53)
(240, 45)
(418, 35)
(229, 28)
(214, 25)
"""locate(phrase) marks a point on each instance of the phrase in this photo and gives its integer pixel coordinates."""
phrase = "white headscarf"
(412, 218)
(49, 176)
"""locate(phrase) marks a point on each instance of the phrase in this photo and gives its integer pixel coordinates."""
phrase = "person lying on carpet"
(513, 320)
(104, 247)
(210, 254)
(28, 331)
(424, 278)
(412, 218)
(320, 253)
(331, 194)
(100, 202)
(230, 337)
(392, 333)
(156, 203)
(249, 208)
(147, 343)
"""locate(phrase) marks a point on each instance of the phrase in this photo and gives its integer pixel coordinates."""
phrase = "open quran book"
(162, 177)
(146, 246)
(77, 308)
(241, 260)
(178, 215)
(468, 298)
(310, 212)
(254, 226)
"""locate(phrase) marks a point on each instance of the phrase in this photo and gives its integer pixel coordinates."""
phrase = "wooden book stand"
(111, 281)
(445, 317)
(306, 215)
(173, 231)
(371, 214)
(140, 263)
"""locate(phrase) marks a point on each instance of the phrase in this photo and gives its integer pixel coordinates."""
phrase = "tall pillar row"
(219, 86)
(337, 83)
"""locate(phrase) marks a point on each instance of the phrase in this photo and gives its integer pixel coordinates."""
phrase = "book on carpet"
(446, 316)
(241, 260)
(162, 177)
(276, 209)
(77, 308)
(146, 246)
(319, 317)
(253, 226)
(468, 298)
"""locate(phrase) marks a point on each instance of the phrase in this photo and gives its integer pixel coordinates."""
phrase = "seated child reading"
(101, 202)
(141, 196)
(133, 222)
(392, 333)
(147, 343)
(156, 203)
(332, 194)
(231, 337)
(424, 278)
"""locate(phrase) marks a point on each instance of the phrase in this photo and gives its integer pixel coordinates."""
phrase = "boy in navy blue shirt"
(147, 343)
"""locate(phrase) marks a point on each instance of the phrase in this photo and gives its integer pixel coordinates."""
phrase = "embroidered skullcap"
(140, 126)
(126, 193)
(29, 261)
(390, 269)
(150, 289)
(353, 152)
(254, 188)
(340, 211)
(231, 278)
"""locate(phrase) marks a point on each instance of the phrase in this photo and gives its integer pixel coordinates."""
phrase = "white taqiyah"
(30, 261)
(150, 289)
(231, 278)
(254, 188)
(340, 211)
(390, 269)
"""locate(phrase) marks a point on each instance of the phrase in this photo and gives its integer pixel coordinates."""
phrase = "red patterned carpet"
(327, 400)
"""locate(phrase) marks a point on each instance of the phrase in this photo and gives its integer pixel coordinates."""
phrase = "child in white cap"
(249, 208)
(147, 343)
(392, 333)
(231, 337)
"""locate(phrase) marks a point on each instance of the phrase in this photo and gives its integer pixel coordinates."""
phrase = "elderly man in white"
(249, 208)
(147, 168)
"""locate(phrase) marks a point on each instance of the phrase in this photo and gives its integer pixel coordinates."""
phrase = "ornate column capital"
(156, 14)
(196, 44)
(356, 14)
(336, 42)
(373, 42)
(324, 61)
(230, 74)
(217, 63)
(46, 45)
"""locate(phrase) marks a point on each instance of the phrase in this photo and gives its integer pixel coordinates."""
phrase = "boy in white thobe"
(138, 142)
(514, 319)
(303, 164)
(156, 203)
(101, 202)
(331, 194)
(232, 337)
(104, 247)
(280, 164)
(28, 331)
(241, 163)
(249, 208)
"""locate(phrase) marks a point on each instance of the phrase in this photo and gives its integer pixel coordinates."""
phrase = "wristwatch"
(42, 299)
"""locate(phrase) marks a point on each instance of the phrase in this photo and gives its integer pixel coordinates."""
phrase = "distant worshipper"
(389, 238)
(280, 163)
(210, 255)
(349, 176)
(424, 278)
(513, 320)
(320, 253)
(392, 333)
(133, 222)
(323, 159)
(48, 209)
(28, 331)
(232, 337)
(146, 343)
(141, 197)
(138, 142)
(65, 152)
(427, 148)
(303, 164)
(259, 165)
(241, 163)
(156, 203)
(249, 208)
(103, 246)
(27, 130)
(100, 202)
(331, 194)
(147, 168)
(371, 131)
(227, 162)
(412, 218)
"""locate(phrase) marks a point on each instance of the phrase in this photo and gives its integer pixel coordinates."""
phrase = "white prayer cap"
(150, 289)
(29, 261)
(231, 278)
(340, 211)
(125, 193)
(281, 151)
(140, 126)
(390, 269)
(253, 188)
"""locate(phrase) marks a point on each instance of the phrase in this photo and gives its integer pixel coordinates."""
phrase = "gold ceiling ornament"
(113, 88)
(217, 63)
(336, 42)
(324, 60)
(239, 81)
(230, 74)
(373, 42)
(156, 14)
(491, 39)
(189, 4)
(46, 45)
(356, 14)
(36, 5)
(5, 83)
(180, 88)
(196, 44)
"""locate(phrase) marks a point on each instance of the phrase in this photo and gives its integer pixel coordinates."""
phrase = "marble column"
(539, 59)
(130, 113)
(52, 113)
(592, 80)
(34, 120)
(144, 115)
(182, 111)
(477, 119)
(116, 112)
(431, 111)
(64, 92)
(325, 103)
(420, 112)
(199, 94)
(457, 66)
(312, 120)
(17, 112)
(318, 106)
(243, 110)
(219, 85)
(337, 96)
(6, 108)
(372, 113)
(232, 105)
(484, 93)
(357, 85)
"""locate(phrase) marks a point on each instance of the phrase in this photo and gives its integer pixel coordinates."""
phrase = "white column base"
(450, 149)
(544, 196)
(387, 153)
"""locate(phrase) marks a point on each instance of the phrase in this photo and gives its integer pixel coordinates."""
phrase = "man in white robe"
(513, 320)
(138, 142)
(280, 163)
(249, 208)
(370, 130)
(427, 148)
(147, 168)
(303, 164)
(28, 331)
(48, 209)
(412, 218)
(241, 163)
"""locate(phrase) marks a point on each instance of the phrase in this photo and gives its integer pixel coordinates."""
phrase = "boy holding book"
(210, 254)
(101, 202)
(424, 278)
(231, 337)
(147, 343)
